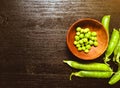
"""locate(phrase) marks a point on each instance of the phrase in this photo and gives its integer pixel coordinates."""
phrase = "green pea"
(95, 38)
(86, 30)
(91, 42)
(88, 47)
(81, 36)
(94, 34)
(82, 30)
(77, 33)
(80, 41)
(78, 29)
(75, 42)
(83, 47)
(87, 35)
(77, 38)
(92, 38)
(86, 50)
(85, 40)
(79, 48)
(78, 45)
(95, 43)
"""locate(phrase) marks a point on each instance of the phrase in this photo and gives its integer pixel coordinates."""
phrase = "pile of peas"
(85, 39)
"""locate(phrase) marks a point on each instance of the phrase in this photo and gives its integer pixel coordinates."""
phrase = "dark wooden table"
(33, 41)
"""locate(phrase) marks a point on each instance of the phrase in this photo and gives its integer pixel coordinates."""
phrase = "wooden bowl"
(102, 36)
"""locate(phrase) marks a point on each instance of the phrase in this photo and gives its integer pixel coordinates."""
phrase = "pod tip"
(65, 61)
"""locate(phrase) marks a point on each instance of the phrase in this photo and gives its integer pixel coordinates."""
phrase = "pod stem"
(73, 73)
(114, 58)
(106, 59)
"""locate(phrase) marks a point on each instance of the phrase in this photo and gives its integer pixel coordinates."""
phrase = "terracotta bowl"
(102, 37)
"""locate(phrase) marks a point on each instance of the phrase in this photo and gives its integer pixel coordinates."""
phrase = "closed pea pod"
(115, 78)
(105, 22)
(112, 44)
(117, 48)
(117, 52)
(88, 66)
(91, 74)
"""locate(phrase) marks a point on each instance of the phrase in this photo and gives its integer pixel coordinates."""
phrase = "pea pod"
(89, 66)
(115, 78)
(117, 52)
(91, 74)
(112, 44)
(105, 22)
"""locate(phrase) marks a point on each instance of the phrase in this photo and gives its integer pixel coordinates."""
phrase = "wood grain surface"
(33, 41)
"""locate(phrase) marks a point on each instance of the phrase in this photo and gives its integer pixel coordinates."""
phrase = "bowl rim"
(82, 19)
